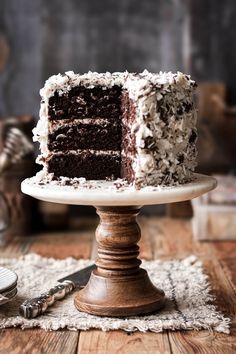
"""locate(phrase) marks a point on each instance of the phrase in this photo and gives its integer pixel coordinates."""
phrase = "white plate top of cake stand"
(106, 193)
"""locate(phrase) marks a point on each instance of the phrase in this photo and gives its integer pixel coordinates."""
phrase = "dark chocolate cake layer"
(85, 164)
(85, 119)
(82, 102)
(103, 136)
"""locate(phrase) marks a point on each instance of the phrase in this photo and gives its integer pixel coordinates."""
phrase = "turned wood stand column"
(119, 287)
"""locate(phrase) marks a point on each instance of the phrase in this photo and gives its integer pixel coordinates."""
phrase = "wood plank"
(16, 341)
(156, 234)
(224, 249)
(62, 245)
(145, 243)
(172, 238)
(94, 250)
(98, 342)
(229, 266)
(204, 342)
(221, 288)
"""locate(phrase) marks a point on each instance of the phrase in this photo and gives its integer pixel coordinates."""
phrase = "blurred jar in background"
(17, 163)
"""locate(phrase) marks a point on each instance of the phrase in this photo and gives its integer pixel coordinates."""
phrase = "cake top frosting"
(133, 82)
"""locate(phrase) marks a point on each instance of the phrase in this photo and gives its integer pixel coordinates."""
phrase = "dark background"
(39, 38)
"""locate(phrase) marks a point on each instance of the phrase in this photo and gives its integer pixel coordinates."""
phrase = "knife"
(34, 307)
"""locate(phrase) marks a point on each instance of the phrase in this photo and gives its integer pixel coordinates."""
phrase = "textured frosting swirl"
(164, 125)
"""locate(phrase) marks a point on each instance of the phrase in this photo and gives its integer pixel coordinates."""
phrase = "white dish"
(105, 195)
(8, 296)
(8, 279)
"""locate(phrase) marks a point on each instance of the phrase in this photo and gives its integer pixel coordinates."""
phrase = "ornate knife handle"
(37, 306)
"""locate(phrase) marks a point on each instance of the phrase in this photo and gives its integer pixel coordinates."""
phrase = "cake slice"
(139, 127)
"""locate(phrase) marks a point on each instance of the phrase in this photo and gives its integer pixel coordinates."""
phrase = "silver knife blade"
(81, 277)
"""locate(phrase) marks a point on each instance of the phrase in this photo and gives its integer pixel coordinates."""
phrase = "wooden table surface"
(161, 238)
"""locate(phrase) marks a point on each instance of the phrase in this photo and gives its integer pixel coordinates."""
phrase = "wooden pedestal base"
(119, 287)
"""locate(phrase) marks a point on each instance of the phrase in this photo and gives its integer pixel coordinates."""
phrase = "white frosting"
(169, 136)
(41, 158)
(90, 151)
(158, 99)
(68, 122)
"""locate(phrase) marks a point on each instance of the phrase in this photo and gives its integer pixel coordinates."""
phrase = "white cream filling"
(90, 151)
(54, 125)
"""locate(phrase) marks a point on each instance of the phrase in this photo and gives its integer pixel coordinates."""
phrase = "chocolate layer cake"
(139, 127)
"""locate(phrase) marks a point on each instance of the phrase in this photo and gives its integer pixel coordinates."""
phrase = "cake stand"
(118, 286)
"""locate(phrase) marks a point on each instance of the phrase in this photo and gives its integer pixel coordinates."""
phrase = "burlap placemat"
(188, 306)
